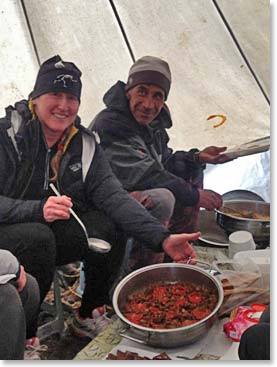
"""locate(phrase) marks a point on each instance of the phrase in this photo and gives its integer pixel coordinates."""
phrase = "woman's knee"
(36, 247)
(42, 237)
(42, 233)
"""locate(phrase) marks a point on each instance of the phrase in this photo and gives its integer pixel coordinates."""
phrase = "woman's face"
(56, 111)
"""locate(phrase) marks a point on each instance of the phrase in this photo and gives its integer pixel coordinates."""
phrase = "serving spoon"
(95, 244)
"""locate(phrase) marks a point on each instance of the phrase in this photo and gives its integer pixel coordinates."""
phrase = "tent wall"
(210, 76)
(250, 23)
(18, 62)
(218, 51)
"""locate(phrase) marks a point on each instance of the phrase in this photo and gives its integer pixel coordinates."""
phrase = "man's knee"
(30, 295)
(12, 321)
(163, 202)
(167, 199)
(10, 302)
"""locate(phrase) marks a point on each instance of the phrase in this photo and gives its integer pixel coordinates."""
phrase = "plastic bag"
(242, 285)
(241, 319)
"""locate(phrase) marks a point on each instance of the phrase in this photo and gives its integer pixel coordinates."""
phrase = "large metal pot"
(171, 272)
(259, 228)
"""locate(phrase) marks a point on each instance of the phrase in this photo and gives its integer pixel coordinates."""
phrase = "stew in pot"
(170, 305)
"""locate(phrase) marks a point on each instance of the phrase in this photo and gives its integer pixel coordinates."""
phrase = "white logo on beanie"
(59, 65)
(64, 78)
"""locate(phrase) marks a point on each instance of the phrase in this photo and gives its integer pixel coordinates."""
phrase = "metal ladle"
(95, 244)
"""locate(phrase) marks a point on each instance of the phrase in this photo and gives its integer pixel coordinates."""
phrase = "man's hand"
(21, 281)
(209, 199)
(213, 155)
(57, 207)
(177, 246)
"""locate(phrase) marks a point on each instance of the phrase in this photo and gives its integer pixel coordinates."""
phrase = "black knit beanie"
(150, 70)
(56, 75)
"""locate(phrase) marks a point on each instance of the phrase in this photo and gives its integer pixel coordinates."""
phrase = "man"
(42, 141)
(19, 308)
(132, 130)
(255, 341)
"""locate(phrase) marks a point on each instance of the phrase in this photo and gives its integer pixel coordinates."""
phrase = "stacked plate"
(252, 147)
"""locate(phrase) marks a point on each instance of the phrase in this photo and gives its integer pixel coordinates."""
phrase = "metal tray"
(212, 233)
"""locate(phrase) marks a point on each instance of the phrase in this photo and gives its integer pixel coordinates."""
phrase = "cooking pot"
(168, 273)
(259, 228)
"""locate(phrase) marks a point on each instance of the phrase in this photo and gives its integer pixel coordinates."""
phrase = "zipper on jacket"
(158, 140)
(47, 167)
(28, 183)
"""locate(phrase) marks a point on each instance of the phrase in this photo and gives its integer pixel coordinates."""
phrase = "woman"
(42, 141)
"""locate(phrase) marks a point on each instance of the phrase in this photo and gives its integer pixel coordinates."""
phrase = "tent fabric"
(218, 51)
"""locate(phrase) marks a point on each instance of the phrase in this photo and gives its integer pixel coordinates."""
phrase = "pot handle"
(131, 338)
(210, 269)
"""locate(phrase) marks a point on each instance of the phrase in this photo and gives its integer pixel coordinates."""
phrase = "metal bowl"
(171, 272)
(259, 228)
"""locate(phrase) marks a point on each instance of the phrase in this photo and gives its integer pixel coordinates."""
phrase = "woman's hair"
(55, 161)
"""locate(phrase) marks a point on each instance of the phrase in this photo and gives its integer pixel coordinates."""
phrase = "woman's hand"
(177, 246)
(57, 207)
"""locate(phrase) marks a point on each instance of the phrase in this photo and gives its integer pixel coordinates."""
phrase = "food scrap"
(223, 119)
(135, 356)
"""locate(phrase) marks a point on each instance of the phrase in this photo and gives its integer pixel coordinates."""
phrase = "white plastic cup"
(240, 241)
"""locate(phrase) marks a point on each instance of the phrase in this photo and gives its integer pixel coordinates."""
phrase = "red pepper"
(200, 313)
(158, 292)
(139, 307)
(170, 315)
(133, 317)
(195, 298)
(180, 302)
(179, 290)
(153, 309)
(164, 300)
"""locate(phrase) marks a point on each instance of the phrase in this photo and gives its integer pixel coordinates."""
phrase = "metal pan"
(167, 272)
(259, 228)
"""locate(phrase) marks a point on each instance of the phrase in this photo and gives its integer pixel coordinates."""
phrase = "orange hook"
(223, 119)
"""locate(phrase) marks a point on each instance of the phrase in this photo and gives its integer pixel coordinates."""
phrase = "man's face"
(146, 102)
(56, 111)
